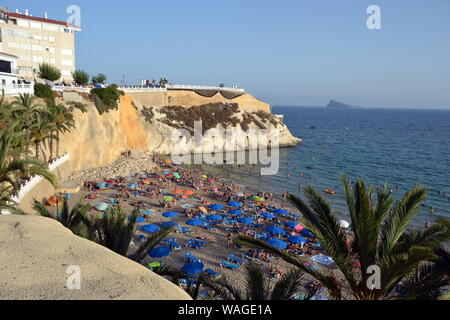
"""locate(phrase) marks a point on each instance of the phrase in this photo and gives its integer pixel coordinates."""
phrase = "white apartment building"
(37, 40)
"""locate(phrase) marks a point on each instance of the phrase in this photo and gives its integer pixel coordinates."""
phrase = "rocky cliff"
(99, 140)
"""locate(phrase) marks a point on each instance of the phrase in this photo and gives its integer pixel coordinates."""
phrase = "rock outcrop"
(36, 258)
(339, 105)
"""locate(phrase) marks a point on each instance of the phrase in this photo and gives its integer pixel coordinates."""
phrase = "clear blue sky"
(287, 52)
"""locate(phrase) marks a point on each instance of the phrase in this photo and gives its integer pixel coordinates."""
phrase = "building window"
(5, 66)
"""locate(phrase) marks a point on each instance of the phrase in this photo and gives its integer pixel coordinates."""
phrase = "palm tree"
(41, 130)
(117, 230)
(381, 240)
(12, 169)
(63, 119)
(25, 111)
(258, 288)
(74, 218)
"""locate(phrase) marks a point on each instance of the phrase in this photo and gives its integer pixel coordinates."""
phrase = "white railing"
(71, 88)
(16, 89)
(189, 87)
(150, 89)
(35, 180)
(141, 89)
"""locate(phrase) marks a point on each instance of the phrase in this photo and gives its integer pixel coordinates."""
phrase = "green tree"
(12, 168)
(99, 79)
(41, 130)
(48, 72)
(117, 230)
(163, 82)
(80, 77)
(76, 218)
(63, 119)
(381, 238)
(258, 288)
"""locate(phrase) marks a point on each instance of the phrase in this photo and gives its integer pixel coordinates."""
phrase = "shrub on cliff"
(80, 77)
(48, 72)
(106, 99)
(211, 116)
(45, 92)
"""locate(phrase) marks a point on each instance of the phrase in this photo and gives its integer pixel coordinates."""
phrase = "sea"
(397, 147)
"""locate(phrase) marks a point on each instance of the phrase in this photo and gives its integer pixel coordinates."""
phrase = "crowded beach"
(207, 212)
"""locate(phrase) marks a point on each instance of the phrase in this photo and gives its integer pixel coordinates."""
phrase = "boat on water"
(329, 191)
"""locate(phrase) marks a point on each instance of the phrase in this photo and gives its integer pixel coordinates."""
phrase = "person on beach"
(229, 240)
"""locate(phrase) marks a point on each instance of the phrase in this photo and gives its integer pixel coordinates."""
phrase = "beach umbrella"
(194, 222)
(159, 252)
(204, 176)
(299, 228)
(203, 209)
(169, 224)
(167, 199)
(282, 212)
(245, 220)
(138, 220)
(177, 191)
(166, 172)
(168, 161)
(297, 240)
(170, 214)
(146, 212)
(146, 181)
(102, 185)
(216, 207)
(151, 228)
(193, 268)
(170, 175)
(234, 204)
(307, 233)
(132, 185)
(177, 175)
(268, 215)
(215, 217)
(275, 230)
(344, 224)
(54, 201)
(188, 192)
(258, 199)
(101, 206)
(277, 243)
(291, 224)
(235, 212)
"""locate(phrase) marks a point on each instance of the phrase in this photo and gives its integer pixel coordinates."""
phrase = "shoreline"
(218, 248)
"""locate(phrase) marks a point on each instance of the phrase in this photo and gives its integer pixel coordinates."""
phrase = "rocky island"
(339, 105)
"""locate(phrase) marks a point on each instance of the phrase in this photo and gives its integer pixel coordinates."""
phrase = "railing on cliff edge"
(150, 89)
(35, 180)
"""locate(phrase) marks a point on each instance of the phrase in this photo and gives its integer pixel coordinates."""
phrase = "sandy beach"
(152, 181)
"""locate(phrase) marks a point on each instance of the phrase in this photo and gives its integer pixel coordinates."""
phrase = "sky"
(286, 52)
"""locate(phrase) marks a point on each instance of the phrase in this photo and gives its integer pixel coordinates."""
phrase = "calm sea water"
(399, 147)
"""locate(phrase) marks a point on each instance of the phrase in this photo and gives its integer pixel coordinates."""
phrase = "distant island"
(339, 105)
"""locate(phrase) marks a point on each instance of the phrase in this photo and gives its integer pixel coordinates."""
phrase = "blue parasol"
(277, 243)
(159, 252)
(193, 268)
(170, 214)
(151, 228)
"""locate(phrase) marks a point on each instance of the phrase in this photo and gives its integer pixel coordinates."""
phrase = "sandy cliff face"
(100, 139)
